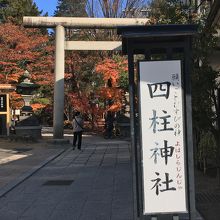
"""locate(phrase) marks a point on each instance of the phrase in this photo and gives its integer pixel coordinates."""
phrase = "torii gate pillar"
(59, 83)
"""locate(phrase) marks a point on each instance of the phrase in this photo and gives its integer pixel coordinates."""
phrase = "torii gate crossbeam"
(59, 23)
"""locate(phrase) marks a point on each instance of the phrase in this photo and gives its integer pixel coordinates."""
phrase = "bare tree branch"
(115, 8)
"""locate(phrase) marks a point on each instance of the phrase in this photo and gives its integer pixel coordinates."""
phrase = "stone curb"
(10, 186)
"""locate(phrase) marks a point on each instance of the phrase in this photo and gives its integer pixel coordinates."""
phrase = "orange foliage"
(111, 69)
(114, 94)
(79, 103)
(37, 106)
(110, 92)
(16, 101)
(115, 107)
(22, 49)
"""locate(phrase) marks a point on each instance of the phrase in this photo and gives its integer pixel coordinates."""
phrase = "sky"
(47, 6)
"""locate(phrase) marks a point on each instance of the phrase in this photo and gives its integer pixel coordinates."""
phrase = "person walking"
(77, 130)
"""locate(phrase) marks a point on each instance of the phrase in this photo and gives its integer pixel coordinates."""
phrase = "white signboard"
(17, 112)
(162, 134)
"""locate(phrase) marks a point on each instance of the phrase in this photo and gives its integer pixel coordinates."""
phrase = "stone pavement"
(20, 159)
(95, 183)
(207, 195)
(41, 181)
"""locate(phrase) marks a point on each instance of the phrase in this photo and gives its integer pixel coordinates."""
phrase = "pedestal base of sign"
(161, 217)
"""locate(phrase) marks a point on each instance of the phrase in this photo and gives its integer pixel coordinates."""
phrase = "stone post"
(59, 83)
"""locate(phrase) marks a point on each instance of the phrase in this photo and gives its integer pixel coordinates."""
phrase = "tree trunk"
(204, 165)
(217, 138)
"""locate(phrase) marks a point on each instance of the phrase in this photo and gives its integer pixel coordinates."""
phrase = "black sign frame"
(3, 102)
(170, 41)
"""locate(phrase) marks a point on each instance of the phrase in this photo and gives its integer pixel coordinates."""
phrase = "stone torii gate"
(60, 23)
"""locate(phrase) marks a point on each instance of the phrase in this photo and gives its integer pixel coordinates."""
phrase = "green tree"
(14, 10)
(205, 85)
(169, 12)
(71, 8)
(205, 107)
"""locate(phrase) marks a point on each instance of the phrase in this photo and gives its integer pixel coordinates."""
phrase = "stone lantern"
(26, 89)
(28, 124)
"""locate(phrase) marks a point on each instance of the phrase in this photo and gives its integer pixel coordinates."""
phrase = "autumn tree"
(25, 49)
(113, 71)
